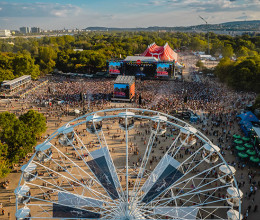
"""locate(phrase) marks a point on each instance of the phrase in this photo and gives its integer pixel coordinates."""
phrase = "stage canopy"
(141, 58)
(162, 53)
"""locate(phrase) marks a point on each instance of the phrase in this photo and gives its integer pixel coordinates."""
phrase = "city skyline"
(80, 14)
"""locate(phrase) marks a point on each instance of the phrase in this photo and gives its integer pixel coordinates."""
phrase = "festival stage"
(156, 62)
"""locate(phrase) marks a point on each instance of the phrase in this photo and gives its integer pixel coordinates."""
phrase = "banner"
(101, 170)
(114, 67)
(163, 69)
(61, 211)
(167, 178)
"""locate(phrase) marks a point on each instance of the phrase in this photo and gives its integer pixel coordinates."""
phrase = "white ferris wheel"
(127, 163)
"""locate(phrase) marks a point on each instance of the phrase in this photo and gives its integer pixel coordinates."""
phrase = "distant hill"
(243, 25)
(253, 22)
(249, 26)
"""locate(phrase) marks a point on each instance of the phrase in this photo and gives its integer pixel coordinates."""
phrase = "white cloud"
(203, 5)
(38, 9)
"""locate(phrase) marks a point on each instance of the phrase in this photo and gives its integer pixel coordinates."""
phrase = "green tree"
(47, 57)
(35, 121)
(227, 51)
(4, 163)
(6, 74)
(18, 135)
(23, 64)
(198, 44)
(243, 74)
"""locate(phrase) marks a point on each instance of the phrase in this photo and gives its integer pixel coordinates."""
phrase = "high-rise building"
(5, 33)
(35, 30)
(25, 30)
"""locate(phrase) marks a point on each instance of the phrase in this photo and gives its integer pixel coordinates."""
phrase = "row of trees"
(15, 65)
(48, 53)
(242, 74)
(18, 136)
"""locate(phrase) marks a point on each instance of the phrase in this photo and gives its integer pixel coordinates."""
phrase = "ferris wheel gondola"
(44, 152)
(66, 135)
(226, 173)
(23, 214)
(212, 152)
(22, 193)
(29, 172)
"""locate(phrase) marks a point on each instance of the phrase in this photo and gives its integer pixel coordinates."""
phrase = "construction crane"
(208, 31)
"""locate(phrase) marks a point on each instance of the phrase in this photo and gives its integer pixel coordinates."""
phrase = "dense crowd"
(206, 95)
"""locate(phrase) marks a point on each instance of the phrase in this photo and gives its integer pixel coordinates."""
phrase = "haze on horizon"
(58, 14)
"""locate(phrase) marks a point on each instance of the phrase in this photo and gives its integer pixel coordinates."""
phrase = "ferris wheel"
(127, 163)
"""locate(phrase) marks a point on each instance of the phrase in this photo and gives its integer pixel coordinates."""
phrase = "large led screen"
(114, 67)
(162, 69)
(121, 91)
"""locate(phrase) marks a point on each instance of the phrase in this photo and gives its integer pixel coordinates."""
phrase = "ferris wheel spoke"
(199, 186)
(90, 202)
(190, 193)
(210, 213)
(100, 174)
(57, 207)
(150, 143)
(189, 171)
(176, 150)
(113, 171)
(73, 163)
(94, 208)
(187, 180)
(173, 147)
(192, 157)
(174, 177)
(173, 212)
(158, 167)
(192, 179)
(75, 181)
(189, 200)
(197, 175)
(209, 196)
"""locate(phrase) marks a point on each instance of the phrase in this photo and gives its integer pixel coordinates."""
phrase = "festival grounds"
(7, 197)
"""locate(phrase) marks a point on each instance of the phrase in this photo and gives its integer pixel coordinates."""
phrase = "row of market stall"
(245, 150)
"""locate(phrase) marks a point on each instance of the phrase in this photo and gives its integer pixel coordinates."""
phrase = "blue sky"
(57, 14)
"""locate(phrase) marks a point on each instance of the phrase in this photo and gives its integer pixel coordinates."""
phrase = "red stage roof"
(163, 53)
